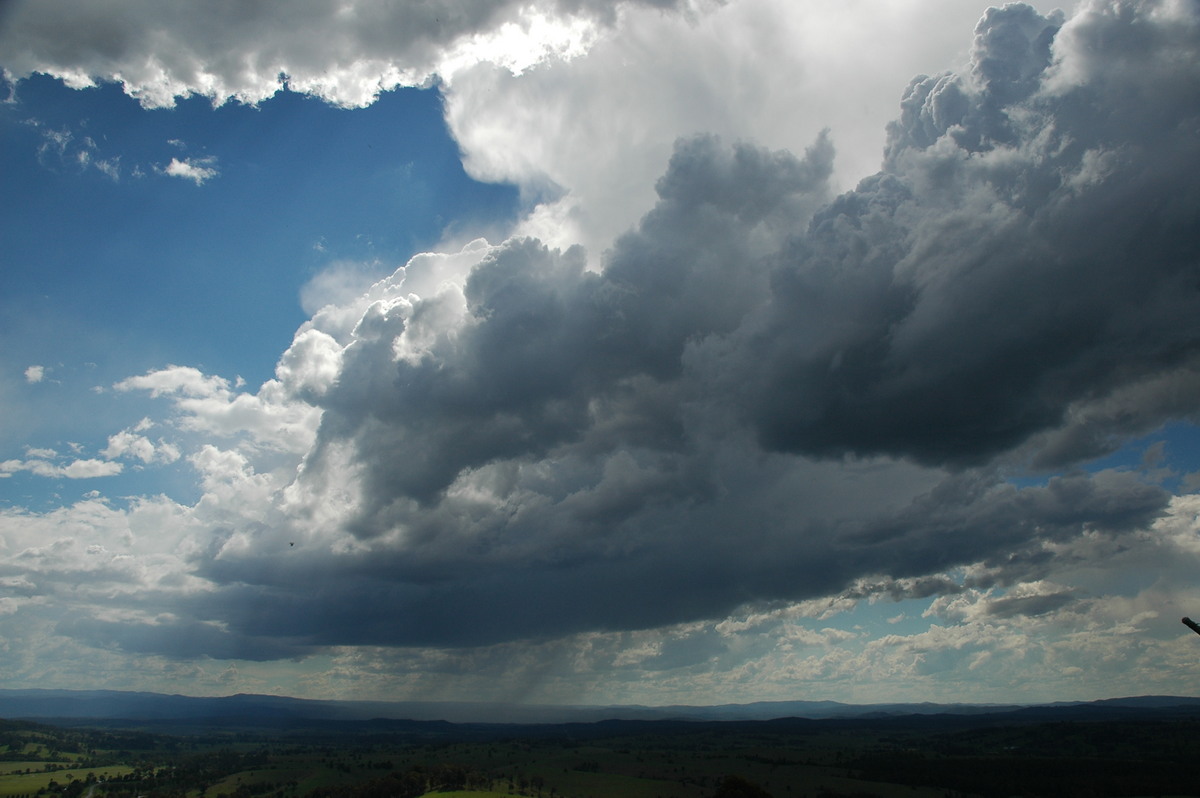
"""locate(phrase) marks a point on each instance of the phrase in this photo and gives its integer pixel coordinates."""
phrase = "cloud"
(339, 283)
(529, 86)
(771, 402)
(76, 469)
(198, 170)
(344, 53)
(775, 73)
(35, 374)
(990, 278)
(86, 469)
(540, 423)
(128, 443)
(64, 149)
(272, 419)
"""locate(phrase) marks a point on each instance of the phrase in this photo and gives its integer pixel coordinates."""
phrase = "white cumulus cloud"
(198, 170)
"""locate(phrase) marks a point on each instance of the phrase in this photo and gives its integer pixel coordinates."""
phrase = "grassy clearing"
(13, 784)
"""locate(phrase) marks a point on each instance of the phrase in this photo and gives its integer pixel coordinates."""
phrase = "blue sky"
(672, 352)
(117, 267)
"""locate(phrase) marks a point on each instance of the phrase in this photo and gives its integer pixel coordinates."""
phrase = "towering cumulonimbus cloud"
(768, 392)
(1022, 255)
(537, 448)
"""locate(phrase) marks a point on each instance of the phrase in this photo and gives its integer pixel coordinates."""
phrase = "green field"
(13, 784)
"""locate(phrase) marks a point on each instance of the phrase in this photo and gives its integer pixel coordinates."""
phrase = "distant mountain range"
(119, 705)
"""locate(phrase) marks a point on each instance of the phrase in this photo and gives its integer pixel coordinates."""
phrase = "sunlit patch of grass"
(15, 784)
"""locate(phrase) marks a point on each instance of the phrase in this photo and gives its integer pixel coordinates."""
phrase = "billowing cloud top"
(767, 393)
(344, 52)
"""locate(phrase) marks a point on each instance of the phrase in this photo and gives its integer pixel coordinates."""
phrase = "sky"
(582, 352)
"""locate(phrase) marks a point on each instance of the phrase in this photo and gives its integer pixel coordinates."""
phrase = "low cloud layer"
(768, 394)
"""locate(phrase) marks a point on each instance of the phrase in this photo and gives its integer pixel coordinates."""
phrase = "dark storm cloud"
(180, 638)
(1095, 428)
(550, 354)
(542, 571)
(1031, 245)
(972, 517)
(547, 450)
(767, 394)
